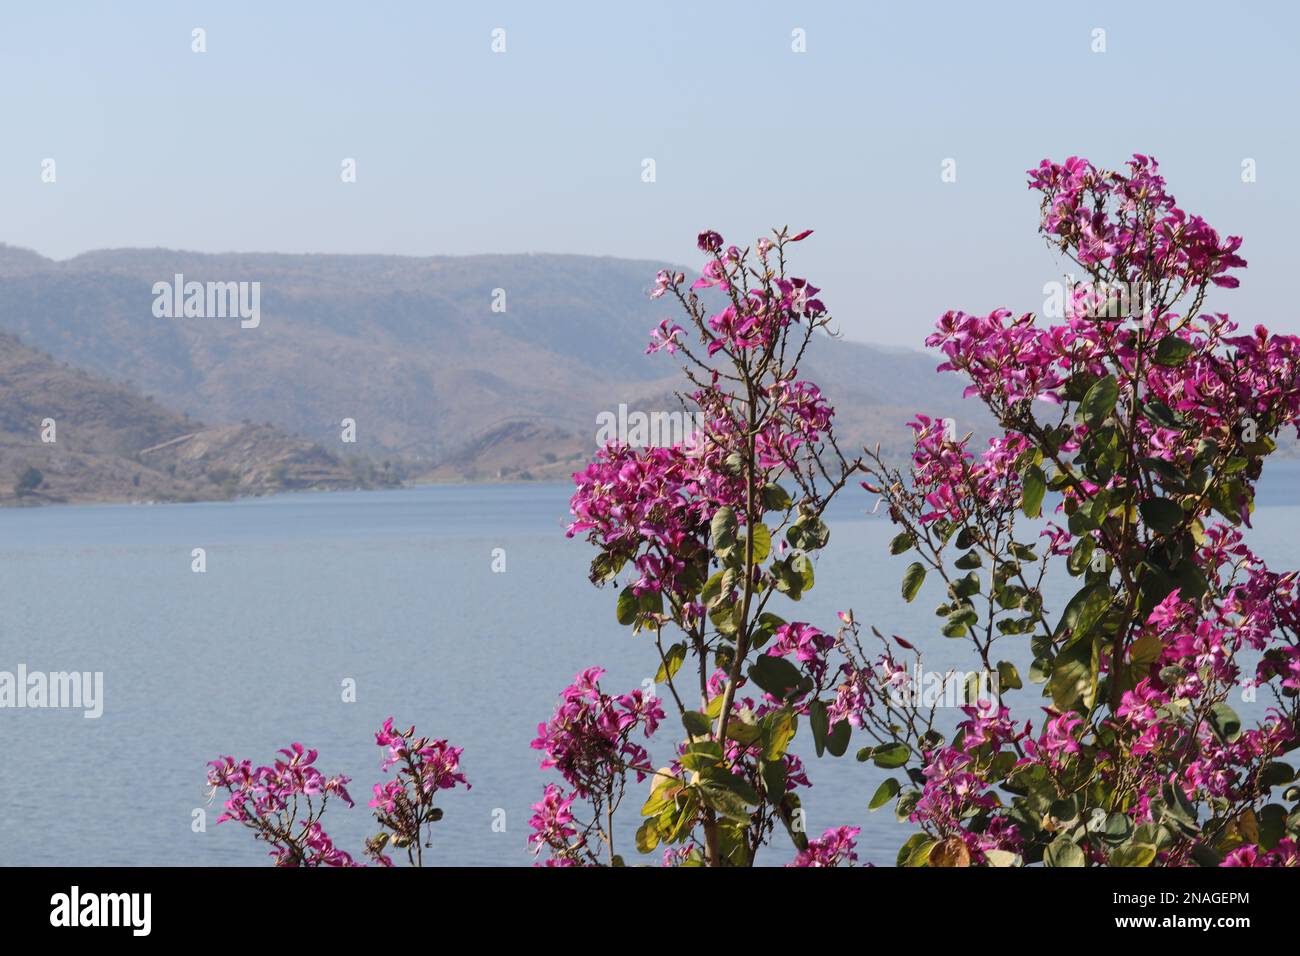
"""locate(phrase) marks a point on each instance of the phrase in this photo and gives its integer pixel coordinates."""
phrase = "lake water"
(395, 591)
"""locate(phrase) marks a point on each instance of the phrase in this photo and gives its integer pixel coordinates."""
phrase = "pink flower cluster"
(1286, 853)
(1199, 664)
(952, 482)
(283, 803)
(266, 799)
(436, 763)
(759, 306)
(404, 805)
(261, 790)
(1128, 223)
(808, 645)
(552, 826)
(836, 847)
(589, 738)
(650, 506)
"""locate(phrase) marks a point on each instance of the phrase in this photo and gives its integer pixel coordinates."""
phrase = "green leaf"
(764, 628)
(1225, 722)
(1161, 514)
(723, 529)
(958, 621)
(1099, 402)
(724, 801)
(1022, 551)
(802, 565)
(1276, 774)
(1272, 825)
(1074, 676)
(920, 855)
(1033, 485)
(820, 722)
(712, 590)
(1081, 556)
(647, 836)
(702, 760)
(773, 774)
(742, 732)
(1135, 854)
(1165, 470)
(1160, 414)
(884, 793)
(891, 756)
(696, 724)
(1063, 852)
(902, 542)
(1008, 676)
(663, 795)
(1000, 858)
(837, 741)
(908, 849)
(913, 578)
(628, 607)
(775, 498)
(794, 575)
(1083, 612)
(672, 662)
(907, 801)
(776, 675)
(762, 536)
(1172, 351)
(778, 730)
(808, 533)
(1146, 650)
(1116, 828)
(726, 780)
(1039, 670)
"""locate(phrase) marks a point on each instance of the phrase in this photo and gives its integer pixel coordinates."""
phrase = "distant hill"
(411, 349)
(112, 444)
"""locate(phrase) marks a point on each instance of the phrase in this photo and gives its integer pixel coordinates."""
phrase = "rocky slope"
(112, 444)
(413, 351)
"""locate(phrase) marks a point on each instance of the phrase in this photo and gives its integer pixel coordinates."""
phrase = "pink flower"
(589, 738)
(836, 847)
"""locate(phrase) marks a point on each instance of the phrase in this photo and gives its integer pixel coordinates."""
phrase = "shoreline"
(11, 506)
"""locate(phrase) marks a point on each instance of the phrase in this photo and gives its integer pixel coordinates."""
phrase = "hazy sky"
(540, 149)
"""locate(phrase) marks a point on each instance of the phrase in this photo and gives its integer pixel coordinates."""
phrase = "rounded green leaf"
(1033, 485)
(629, 605)
(723, 528)
(901, 542)
(1135, 854)
(890, 756)
(1172, 351)
(913, 578)
(1099, 402)
(884, 793)
(1161, 514)
(1062, 852)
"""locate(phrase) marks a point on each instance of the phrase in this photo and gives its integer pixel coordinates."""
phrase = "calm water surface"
(394, 590)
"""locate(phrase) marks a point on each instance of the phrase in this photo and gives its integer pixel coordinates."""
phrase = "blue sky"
(540, 149)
